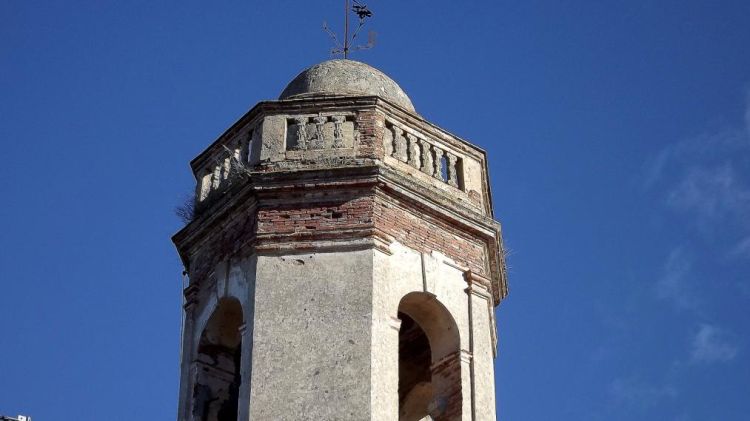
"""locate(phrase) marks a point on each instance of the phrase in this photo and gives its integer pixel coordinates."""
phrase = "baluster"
(400, 141)
(205, 186)
(237, 151)
(227, 166)
(216, 178)
(452, 173)
(438, 163)
(413, 150)
(388, 141)
(318, 141)
(338, 132)
(301, 124)
(427, 165)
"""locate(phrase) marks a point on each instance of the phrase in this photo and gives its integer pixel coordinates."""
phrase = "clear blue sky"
(619, 141)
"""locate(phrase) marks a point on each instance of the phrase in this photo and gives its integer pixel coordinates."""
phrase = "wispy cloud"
(712, 344)
(706, 177)
(674, 283)
(712, 194)
(706, 180)
(634, 392)
(708, 148)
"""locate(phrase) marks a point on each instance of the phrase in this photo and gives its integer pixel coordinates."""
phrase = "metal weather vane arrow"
(362, 13)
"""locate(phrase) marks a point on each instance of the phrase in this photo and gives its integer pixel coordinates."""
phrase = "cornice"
(288, 187)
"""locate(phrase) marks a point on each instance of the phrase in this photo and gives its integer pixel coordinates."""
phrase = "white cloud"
(674, 284)
(712, 194)
(707, 180)
(633, 392)
(711, 344)
(709, 148)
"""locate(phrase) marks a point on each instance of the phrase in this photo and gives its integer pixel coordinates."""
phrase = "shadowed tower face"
(217, 363)
(344, 262)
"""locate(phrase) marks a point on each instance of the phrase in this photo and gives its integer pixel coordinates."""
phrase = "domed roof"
(346, 77)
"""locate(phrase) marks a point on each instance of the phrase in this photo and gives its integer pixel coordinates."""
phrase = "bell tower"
(344, 262)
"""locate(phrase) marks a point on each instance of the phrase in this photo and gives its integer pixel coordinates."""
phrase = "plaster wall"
(483, 372)
(319, 325)
(397, 273)
(474, 182)
(311, 337)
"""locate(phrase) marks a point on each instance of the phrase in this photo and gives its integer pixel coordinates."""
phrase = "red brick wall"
(370, 125)
(422, 234)
(415, 231)
(355, 213)
(224, 241)
(446, 379)
(352, 210)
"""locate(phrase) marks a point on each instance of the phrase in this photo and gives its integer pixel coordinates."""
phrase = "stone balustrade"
(295, 140)
(318, 132)
(428, 156)
(226, 164)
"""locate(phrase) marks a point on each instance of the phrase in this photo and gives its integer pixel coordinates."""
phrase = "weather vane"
(362, 13)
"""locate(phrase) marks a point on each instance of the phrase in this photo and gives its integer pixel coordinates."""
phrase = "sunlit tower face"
(343, 260)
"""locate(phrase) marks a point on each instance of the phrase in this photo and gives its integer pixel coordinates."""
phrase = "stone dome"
(346, 77)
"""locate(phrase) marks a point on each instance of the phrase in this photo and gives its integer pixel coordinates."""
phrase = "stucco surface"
(346, 77)
(311, 341)
(404, 271)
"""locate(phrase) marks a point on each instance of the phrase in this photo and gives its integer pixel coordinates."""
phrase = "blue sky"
(619, 143)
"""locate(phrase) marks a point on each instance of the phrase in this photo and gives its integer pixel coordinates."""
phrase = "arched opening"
(429, 360)
(415, 379)
(216, 390)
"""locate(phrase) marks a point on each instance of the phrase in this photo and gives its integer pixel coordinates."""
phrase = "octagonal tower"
(344, 262)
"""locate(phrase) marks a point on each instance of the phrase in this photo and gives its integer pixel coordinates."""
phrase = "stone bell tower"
(344, 262)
